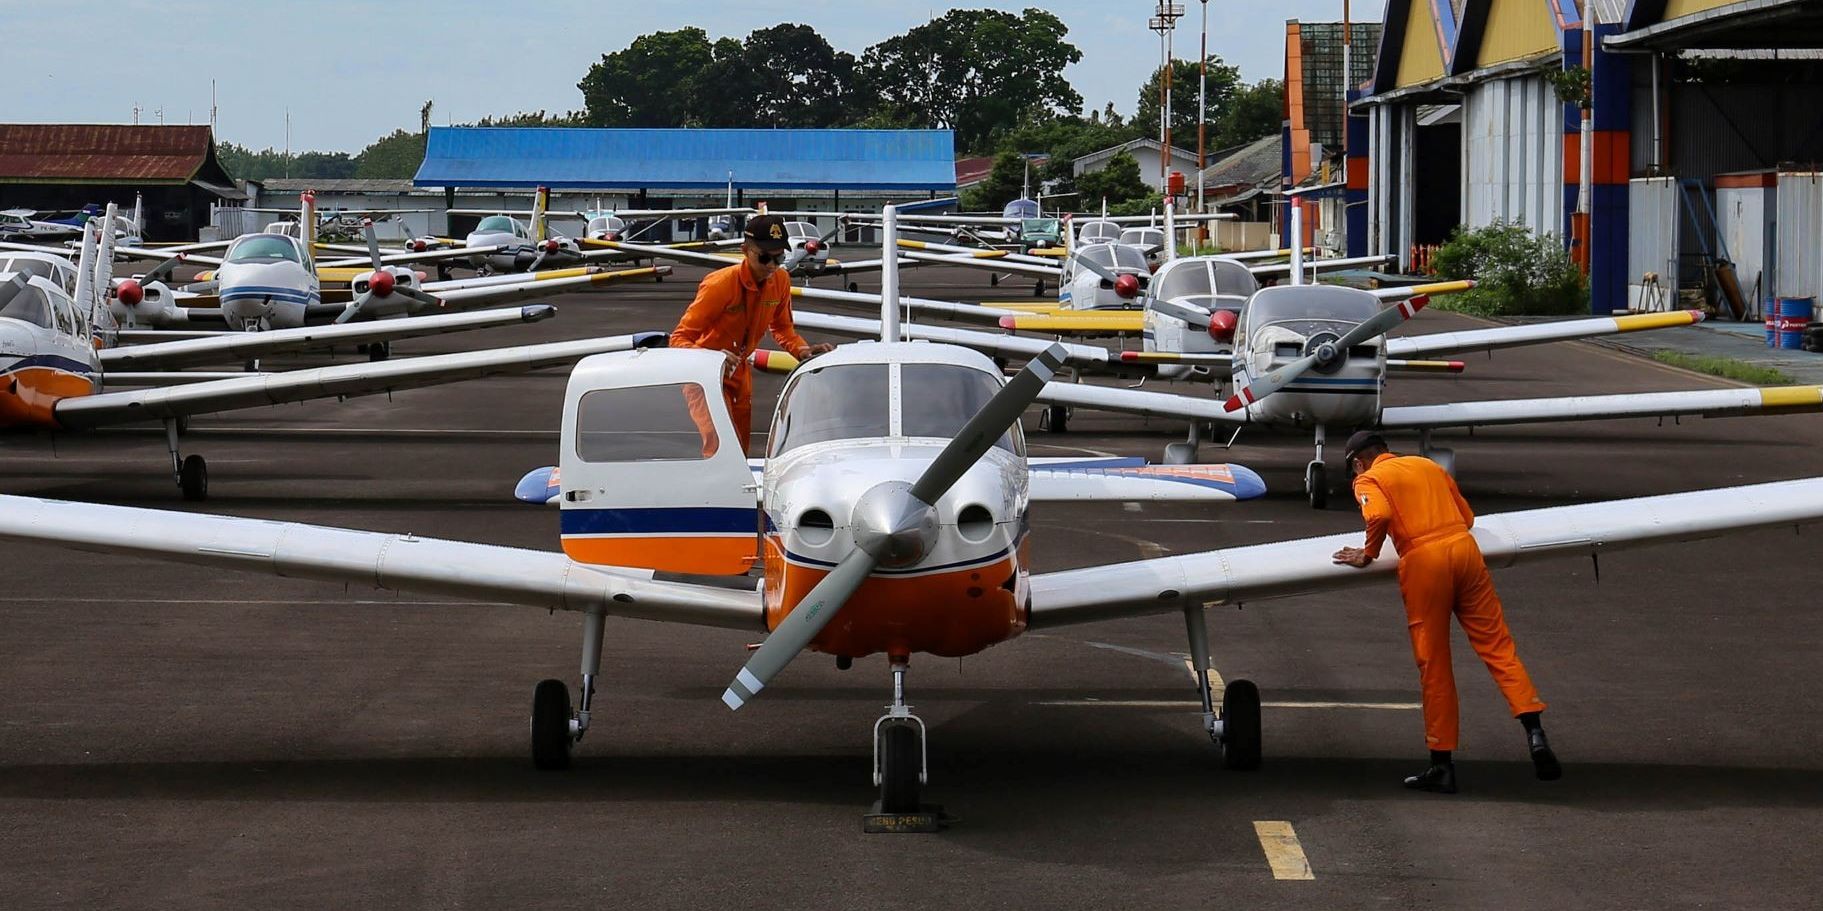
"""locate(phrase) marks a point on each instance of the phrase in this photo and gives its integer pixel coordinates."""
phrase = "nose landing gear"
(901, 768)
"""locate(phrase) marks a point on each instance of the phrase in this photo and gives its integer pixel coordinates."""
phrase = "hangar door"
(1512, 154)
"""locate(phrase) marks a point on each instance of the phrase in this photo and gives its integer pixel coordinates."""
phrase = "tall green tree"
(245, 164)
(1116, 182)
(645, 85)
(1003, 185)
(1224, 81)
(1256, 112)
(973, 71)
(396, 155)
(783, 76)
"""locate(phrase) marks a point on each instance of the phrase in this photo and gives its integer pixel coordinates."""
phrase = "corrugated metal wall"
(1512, 154)
(1744, 217)
(1652, 244)
(1799, 267)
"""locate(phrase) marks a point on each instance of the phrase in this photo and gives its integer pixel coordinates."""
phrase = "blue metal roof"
(689, 159)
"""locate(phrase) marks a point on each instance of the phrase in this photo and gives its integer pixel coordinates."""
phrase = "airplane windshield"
(1099, 231)
(1310, 304)
(1020, 208)
(40, 268)
(942, 397)
(1102, 255)
(844, 402)
(606, 223)
(1129, 258)
(1144, 237)
(23, 302)
(1194, 279)
(263, 248)
(801, 229)
(495, 224)
(1038, 227)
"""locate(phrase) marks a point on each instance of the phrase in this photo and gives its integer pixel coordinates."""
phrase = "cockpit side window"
(938, 399)
(669, 423)
(1233, 279)
(842, 402)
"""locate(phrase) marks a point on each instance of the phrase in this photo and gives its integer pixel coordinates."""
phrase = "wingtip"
(1009, 322)
(1129, 356)
(1697, 316)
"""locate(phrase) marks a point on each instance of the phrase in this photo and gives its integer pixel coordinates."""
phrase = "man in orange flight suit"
(1441, 571)
(735, 306)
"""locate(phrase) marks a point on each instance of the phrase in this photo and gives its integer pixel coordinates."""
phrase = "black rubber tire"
(1038, 290)
(1057, 418)
(1316, 485)
(379, 351)
(854, 287)
(993, 280)
(1241, 726)
(551, 725)
(901, 756)
(193, 478)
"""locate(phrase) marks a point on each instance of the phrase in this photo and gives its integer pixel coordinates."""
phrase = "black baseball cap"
(768, 231)
(1363, 439)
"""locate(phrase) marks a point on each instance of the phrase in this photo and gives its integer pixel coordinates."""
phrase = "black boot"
(1544, 762)
(1439, 777)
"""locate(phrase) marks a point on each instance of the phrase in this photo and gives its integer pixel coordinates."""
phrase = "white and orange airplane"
(887, 521)
(55, 360)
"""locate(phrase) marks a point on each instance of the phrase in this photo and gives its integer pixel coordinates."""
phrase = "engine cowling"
(1222, 324)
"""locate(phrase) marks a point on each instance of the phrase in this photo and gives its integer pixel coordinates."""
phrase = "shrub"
(1516, 273)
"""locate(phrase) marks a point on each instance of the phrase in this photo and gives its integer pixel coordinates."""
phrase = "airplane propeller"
(381, 282)
(1327, 352)
(809, 248)
(1126, 286)
(894, 524)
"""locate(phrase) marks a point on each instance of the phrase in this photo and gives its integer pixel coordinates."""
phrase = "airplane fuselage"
(275, 295)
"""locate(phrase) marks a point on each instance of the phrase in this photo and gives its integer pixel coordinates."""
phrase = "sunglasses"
(767, 259)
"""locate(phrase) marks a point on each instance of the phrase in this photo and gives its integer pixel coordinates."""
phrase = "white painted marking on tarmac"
(1283, 852)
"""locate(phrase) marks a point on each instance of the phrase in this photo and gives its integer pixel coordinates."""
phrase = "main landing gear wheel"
(1316, 484)
(193, 478)
(901, 767)
(551, 737)
(854, 287)
(1038, 290)
(1180, 454)
(1056, 418)
(1241, 726)
(379, 351)
(993, 280)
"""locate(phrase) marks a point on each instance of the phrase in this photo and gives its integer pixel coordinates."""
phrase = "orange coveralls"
(1441, 571)
(730, 314)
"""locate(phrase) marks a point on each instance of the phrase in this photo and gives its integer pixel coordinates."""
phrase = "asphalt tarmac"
(177, 737)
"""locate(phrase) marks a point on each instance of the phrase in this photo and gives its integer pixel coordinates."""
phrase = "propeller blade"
(1197, 317)
(1098, 268)
(162, 271)
(978, 435)
(800, 626)
(352, 310)
(373, 243)
(1370, 328)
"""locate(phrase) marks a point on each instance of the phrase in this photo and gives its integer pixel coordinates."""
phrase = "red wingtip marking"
(1696, 316)
(1009, 322)
(1458, 366)
(1129, 356)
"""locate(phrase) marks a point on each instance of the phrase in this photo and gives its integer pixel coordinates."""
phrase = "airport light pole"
(1164, 22)
(1202, 125)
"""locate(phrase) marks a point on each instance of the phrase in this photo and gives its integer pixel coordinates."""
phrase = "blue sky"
(350, 72)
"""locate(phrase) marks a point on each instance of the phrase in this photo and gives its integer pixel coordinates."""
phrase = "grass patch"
(1469, 302)
(1725, 367)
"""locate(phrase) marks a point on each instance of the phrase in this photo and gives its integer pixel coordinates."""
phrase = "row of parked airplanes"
(890, 513)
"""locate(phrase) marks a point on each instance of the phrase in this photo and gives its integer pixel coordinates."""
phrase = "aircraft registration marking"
(1283, 851)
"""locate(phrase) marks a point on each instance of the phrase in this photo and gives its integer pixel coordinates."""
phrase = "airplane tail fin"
(1170, 231)
(307, 221)
(85, 272)
(101, 316)
(541, 202)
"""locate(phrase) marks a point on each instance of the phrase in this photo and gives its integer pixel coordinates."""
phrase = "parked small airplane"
(52, 370)
(886, 519)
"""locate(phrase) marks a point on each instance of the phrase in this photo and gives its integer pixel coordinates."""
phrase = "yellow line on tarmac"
(1280, 842)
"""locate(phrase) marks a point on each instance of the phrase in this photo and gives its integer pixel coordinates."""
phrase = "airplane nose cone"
(892, 526)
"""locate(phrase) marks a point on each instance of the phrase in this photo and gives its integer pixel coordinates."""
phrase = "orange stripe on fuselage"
(950, 613)
(29, 395)
(706, 555)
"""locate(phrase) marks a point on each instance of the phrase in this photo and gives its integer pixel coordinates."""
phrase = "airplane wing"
(156, 255)
(1135, 401)
(1131, 479)
(993, 344)
(341, 381)
(1259, 571)
(241, 346)
(1698, 402)
(1535, 333)
(1078, 322)
(1321, 265)
(390, 562)
(653, 251)
(479, 295)
(973, 313)
(986, 260)
(365, 262)
(1218, 362)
